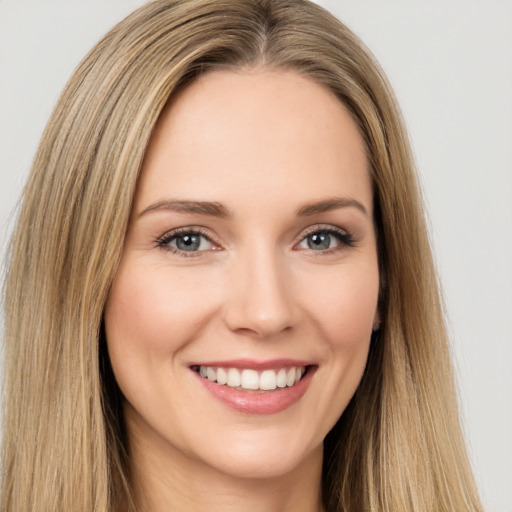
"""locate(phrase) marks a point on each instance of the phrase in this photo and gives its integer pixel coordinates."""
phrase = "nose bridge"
(260, 299)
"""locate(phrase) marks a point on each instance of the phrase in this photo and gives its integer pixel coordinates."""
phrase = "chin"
(263, 458)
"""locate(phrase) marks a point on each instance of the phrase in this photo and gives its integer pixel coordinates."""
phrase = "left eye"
(324, 240)
(188, 242)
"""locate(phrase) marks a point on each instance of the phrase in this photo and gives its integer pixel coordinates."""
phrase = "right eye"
(186, 241)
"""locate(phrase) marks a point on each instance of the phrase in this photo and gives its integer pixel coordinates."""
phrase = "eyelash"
(164, 241)
(344, 238)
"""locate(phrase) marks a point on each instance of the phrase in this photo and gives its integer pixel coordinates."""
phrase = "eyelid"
(322, 227)
(346, 238)
(163, 241)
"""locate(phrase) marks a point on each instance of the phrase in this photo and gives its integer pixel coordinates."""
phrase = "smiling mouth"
(253, 380)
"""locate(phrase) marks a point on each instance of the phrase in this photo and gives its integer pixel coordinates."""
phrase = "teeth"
(251, 379)
(290, 377)
(281, 378)
(222, 376)
(233, 378)
(268, 380)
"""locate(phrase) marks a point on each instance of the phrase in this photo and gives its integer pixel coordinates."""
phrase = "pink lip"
(271, 364)
(258, 402)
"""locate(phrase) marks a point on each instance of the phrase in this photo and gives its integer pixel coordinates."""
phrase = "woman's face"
(239, 323)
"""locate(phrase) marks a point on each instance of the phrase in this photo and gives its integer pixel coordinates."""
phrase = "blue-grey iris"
(318, 241)
(188, 242)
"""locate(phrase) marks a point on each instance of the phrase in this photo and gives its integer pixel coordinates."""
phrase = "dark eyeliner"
(163, 241)
(344, 237)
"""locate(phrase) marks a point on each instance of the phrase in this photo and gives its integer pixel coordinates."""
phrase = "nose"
(260, 296)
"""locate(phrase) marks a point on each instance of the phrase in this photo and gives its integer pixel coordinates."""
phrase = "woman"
(220, 288)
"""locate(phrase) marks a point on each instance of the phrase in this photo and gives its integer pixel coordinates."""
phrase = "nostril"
(260, 304)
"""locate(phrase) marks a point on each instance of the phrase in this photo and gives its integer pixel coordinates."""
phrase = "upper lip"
(252, 364)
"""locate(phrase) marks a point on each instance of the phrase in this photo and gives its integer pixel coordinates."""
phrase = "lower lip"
(266, 402)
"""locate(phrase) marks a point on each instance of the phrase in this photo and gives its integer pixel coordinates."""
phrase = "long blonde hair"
(397, 447)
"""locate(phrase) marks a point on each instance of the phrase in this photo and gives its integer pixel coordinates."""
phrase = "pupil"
(188, 242)
(319, 241)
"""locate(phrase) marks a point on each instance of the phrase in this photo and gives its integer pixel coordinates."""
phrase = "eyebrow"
(216, 209)
(203, 207)
(327, 205)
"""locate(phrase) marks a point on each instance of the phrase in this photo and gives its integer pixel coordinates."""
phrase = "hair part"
(398, 445)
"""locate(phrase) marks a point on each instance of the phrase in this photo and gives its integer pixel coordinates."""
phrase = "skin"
(263, 144)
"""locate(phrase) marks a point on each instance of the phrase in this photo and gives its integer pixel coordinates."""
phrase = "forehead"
(260, 133)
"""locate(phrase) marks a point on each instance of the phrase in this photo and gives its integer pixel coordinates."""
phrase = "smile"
(256, 387)
(250, 379)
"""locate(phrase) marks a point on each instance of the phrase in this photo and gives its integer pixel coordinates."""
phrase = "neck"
(167, 479)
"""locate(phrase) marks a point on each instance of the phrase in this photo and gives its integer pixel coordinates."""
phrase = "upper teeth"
(251, 379)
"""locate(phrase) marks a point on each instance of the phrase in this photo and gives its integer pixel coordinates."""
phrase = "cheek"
(149, 310)
(347, 310)
(150, 316)
(345, 318)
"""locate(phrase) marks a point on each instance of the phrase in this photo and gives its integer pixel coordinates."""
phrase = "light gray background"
(450, 62)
